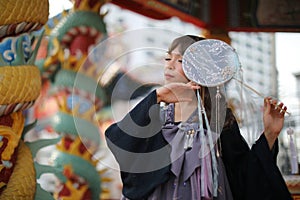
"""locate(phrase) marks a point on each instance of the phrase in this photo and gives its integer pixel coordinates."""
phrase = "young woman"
(158, 148)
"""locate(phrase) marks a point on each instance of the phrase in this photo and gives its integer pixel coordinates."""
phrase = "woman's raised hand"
(176, 92)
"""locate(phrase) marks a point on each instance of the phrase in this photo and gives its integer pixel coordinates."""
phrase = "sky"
(287, 54)
(56, 6)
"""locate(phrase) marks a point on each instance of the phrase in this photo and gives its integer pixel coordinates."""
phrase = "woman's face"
(173, 71)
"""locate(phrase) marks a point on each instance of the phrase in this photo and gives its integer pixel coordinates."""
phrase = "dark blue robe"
(252, 173)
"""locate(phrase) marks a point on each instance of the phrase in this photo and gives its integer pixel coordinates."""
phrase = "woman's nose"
(170, 65)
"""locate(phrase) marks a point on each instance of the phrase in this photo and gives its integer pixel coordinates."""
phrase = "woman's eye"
(179, 60)
(167, 59)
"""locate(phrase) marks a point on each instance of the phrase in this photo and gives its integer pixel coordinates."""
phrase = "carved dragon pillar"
(20, 83)
(78, 97)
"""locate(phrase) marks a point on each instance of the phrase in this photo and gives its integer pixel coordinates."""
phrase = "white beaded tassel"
(293, 152)
(201, 111)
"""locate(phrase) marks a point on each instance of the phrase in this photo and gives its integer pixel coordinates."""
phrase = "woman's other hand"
(273, 119)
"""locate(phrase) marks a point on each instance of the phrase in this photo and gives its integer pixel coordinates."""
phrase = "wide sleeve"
(140, 149)
(252, 173)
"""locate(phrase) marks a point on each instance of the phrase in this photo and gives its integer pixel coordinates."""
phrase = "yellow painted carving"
(13, 134)
(19, 84)
(22, 182)
(74, 150)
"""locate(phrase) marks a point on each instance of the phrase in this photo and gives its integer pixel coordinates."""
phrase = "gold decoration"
(22, 183)
(19, 84)
(74, 149)
(13, 12)
(13, 135)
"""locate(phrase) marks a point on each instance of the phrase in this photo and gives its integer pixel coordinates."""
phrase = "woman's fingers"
(267, 104)
(272, 105)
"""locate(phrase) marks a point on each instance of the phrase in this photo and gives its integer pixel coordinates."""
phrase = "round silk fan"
(210, 62)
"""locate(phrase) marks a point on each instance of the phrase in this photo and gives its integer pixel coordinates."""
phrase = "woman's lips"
(168, 76)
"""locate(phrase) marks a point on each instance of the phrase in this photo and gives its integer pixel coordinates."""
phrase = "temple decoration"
(70, 80)
(21, 25)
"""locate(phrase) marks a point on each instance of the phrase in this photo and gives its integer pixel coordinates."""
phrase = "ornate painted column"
(75, 97)
(20, 84)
